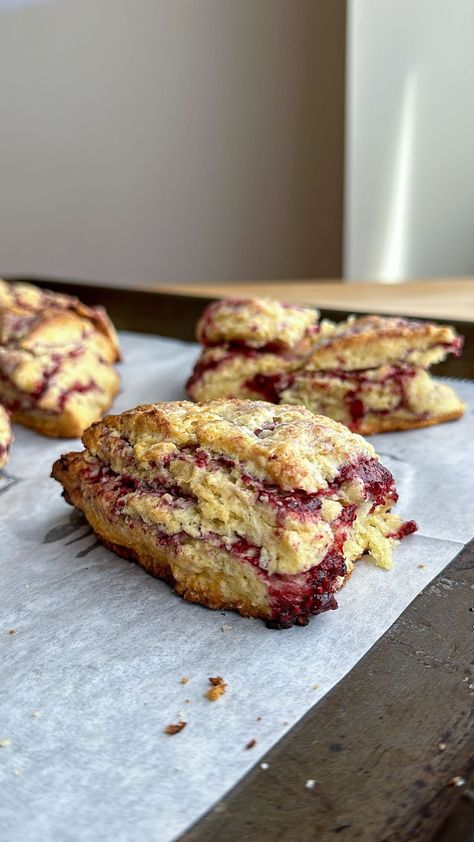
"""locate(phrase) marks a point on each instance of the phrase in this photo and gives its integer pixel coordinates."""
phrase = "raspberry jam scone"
(237, 504)
(6, 436)
(57, 358)
(368, 372)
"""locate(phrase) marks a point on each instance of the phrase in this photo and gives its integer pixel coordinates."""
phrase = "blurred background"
(155, 141)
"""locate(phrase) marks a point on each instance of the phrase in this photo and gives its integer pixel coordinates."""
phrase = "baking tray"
(374, 739)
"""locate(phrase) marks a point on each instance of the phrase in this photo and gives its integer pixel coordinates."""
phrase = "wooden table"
(443, 299)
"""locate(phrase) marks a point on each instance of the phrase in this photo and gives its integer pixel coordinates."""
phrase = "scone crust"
(255, 321)
(26, 300)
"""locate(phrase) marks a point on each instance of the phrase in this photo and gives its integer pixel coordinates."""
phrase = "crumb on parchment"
(5, 743)
(184, 679)
(175, 727)
(251, 744)
(11, 631)
(217, 689)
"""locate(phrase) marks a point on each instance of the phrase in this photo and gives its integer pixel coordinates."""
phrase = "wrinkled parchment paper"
(91, 677)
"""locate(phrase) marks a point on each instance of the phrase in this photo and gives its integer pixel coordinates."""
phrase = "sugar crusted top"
(255, 321)
(30, 315)
(285, 445)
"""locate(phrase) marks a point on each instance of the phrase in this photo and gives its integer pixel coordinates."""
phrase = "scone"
(237, 504)
(57, 358)
(6, 436)
(368, 372)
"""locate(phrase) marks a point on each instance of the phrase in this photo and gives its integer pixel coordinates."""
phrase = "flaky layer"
(285, 445)
(375, 341)
(376, 400)
(209, 479)
(228, 372)
(56, 360)
(6, 436)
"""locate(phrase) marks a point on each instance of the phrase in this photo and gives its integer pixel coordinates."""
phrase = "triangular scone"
(237, 504)
(367, 372)
(57, 358)
(6, 437)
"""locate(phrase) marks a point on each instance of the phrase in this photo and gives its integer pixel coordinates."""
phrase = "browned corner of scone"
(237, 504)
(6, 436)
(57, 360)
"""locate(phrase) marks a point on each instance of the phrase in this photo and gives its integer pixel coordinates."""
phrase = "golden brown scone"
(376, 400)
(57, 358)
(367, 372)
(237, 504)
(6, 436)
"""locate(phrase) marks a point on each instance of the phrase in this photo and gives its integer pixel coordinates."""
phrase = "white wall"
(410, 141)
(147, 140)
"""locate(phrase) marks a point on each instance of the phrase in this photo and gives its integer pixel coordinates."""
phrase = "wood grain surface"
(443, 299)
(372, 745)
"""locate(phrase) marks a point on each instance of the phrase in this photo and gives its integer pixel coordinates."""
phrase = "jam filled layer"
(293, 599)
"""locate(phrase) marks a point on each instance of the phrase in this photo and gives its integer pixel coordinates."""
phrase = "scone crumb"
(184, 679)
(12, 631)
(226, 627)
(315, 686)
(18, 771)
(251, 744)
(259, 718)
(217, 681)
(264, 766)
(175, 727)
(310, 784)
(5, 743)
(36, 714)
(441, 746)
(217, 689)
(421, 566)
(456, 781)
(285, 722)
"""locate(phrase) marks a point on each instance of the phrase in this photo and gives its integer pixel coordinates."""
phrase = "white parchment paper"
(92, 675)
